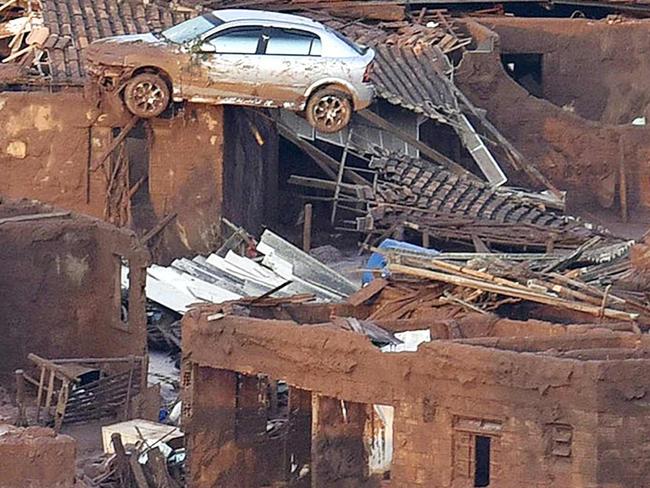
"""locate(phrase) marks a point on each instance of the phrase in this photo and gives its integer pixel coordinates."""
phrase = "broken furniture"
(82, 389)
(138, 464)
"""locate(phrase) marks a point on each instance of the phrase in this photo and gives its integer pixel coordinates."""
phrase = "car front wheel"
(329, 110)
(146, 95)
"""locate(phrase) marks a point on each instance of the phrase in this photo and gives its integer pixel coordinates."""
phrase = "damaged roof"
(73, 24)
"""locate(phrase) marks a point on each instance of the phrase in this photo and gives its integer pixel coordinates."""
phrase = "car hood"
(130, 38)
(128, 50)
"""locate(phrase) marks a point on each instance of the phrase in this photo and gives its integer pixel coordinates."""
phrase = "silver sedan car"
(239, 57)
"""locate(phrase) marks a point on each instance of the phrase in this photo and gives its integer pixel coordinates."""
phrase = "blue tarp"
(377, 261)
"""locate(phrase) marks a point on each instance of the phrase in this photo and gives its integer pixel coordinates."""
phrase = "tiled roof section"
(411, 79)
(73, 24)
(411, 60)
(455, 207)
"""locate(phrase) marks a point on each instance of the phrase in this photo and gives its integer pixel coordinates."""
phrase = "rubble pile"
(576, 281)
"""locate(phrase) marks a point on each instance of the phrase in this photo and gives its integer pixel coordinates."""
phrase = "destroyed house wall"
(578, 155)
(36, 457)
(541, 417)
(598, 69)
(52, 144)
(60, 287)
(250, 169)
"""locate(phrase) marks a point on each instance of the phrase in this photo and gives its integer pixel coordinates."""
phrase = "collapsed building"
(516, 361)
(486, 402)
(434, 75)
(173, 176)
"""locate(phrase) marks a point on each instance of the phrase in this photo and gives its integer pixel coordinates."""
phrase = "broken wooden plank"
(116, 142)
(429, 152)
(30, 217)
(324, 161)
(368, 292)
(158, 227)
(138, 472)
(530, 295)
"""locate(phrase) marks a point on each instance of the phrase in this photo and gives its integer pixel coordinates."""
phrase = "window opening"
(482, 460)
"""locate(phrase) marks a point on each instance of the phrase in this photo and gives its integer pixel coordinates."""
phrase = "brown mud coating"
(50, 142)
(36, 457)
(186, 72)
(573, 139)
(59, 279)
(533, 384)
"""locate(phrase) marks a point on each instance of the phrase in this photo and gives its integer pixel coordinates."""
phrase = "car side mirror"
(206, 47)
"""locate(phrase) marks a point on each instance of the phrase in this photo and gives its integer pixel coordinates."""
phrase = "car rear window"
(192, 29)
(358, 49)
(293, 43)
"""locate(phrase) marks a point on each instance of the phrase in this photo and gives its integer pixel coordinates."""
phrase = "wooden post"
(59, 411)
(273, 393)
(426, 240)
(21, 421)
(127, 401)
(121, 458)
(306, 230)
(39, 397)
(144, 374)
(49, 394)
(622, 181)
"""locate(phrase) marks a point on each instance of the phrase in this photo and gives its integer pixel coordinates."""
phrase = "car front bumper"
(364, 96)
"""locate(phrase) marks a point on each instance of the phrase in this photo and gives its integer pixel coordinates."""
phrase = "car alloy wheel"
(146, 95)
(329, 111)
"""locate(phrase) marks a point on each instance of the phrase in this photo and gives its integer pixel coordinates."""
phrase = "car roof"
(231, 15)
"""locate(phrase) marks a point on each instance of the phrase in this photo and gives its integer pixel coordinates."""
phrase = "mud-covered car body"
(242, 57)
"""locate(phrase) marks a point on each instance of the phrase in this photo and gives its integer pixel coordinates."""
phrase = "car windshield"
(191, 29)
(358, 49)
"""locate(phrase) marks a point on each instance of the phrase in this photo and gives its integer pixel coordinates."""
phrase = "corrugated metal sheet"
(216, 279)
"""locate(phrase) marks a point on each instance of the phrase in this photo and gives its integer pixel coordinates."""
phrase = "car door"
(224, 67)
(290, 64)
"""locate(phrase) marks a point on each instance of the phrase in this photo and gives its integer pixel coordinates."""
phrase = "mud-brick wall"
(186, 178)
(45, 145)
(597, 68)
(623, 425)
(50, 142)
(434, 441)
(59, 289)
(583, 157)
(36, 457)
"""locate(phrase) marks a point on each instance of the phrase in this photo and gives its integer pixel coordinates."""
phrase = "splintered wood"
(421, 283)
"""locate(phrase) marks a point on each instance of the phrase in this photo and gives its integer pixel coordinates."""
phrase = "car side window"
(237, 41)
(289, 42)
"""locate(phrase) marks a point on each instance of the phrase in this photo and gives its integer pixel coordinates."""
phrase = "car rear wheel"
(329, 110)
(146, 95)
